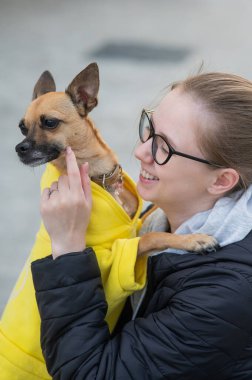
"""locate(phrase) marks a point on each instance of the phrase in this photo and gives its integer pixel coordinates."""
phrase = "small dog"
(55, 120)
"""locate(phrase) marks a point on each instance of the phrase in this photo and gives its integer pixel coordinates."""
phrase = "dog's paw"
(202, 243)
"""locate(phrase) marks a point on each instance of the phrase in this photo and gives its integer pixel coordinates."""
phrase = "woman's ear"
(224, 181)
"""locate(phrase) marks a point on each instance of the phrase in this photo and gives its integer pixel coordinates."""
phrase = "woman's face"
(181, 183)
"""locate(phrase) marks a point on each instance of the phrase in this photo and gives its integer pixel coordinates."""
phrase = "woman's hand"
(66, 207)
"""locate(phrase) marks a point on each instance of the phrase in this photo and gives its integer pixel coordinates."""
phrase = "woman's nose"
(143, 151)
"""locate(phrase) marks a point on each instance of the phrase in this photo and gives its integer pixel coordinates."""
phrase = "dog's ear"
(44, 84)
(84, 88)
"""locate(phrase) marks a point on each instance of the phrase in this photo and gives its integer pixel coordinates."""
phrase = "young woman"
(194, 318)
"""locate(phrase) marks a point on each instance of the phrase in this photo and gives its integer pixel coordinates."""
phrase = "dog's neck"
(110, 181)
(113, 183)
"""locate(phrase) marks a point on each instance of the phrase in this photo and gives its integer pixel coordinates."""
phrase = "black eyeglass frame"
(172, 151)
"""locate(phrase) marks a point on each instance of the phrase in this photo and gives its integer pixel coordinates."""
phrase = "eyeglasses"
(162, 151)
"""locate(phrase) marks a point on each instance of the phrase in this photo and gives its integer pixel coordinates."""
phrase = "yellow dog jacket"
(112, 234)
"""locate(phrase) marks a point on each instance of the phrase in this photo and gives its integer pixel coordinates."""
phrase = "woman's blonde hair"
(228, 100)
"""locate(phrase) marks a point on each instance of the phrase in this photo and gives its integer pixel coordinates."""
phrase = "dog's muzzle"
(24, 147)
(33, 154)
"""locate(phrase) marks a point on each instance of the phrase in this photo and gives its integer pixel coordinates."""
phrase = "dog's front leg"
(158, 241)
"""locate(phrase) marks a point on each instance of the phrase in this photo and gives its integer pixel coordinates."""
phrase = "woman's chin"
(144, 192)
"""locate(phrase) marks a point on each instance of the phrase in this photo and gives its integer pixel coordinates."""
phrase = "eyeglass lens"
(145, 129)
(160, 149)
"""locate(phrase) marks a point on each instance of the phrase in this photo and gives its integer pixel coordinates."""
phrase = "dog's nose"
(24, 147)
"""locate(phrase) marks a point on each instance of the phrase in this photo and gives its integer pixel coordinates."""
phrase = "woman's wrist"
(60, 249)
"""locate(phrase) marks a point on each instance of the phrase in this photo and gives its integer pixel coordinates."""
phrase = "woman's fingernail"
(68, 150)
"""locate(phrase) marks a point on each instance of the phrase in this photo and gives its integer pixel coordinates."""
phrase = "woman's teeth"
(147, 175)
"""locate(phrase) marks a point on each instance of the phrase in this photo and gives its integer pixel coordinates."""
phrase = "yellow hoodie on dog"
(112, 234)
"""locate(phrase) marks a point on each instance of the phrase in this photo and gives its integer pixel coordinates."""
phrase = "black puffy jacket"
(195, 322)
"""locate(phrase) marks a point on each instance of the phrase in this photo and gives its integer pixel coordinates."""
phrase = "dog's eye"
(50, 123)
(23, 128)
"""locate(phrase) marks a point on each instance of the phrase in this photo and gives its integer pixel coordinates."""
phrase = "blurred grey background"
(140, 46)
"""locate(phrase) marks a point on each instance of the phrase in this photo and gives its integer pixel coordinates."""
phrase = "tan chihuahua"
(55, 120)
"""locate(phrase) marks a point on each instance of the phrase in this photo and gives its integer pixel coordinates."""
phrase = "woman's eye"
(50, 123)
(23, 128)
(164, 148)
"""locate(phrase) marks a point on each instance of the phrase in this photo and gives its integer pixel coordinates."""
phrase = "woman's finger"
(73, 170)
(63, 183)
(85, 180)
(54, 186)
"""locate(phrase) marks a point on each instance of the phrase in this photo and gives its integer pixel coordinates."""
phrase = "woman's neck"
(179, 214)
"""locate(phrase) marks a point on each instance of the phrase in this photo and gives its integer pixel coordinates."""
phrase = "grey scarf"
(230, 220)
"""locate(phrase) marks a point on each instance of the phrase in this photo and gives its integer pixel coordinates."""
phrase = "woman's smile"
(147, 177)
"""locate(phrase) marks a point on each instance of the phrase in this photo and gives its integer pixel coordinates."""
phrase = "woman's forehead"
(178, 116)
(178, 107)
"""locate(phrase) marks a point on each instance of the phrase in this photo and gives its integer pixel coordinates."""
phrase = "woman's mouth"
(145, 176)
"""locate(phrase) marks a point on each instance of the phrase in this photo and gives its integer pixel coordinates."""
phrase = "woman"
(193, 321)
